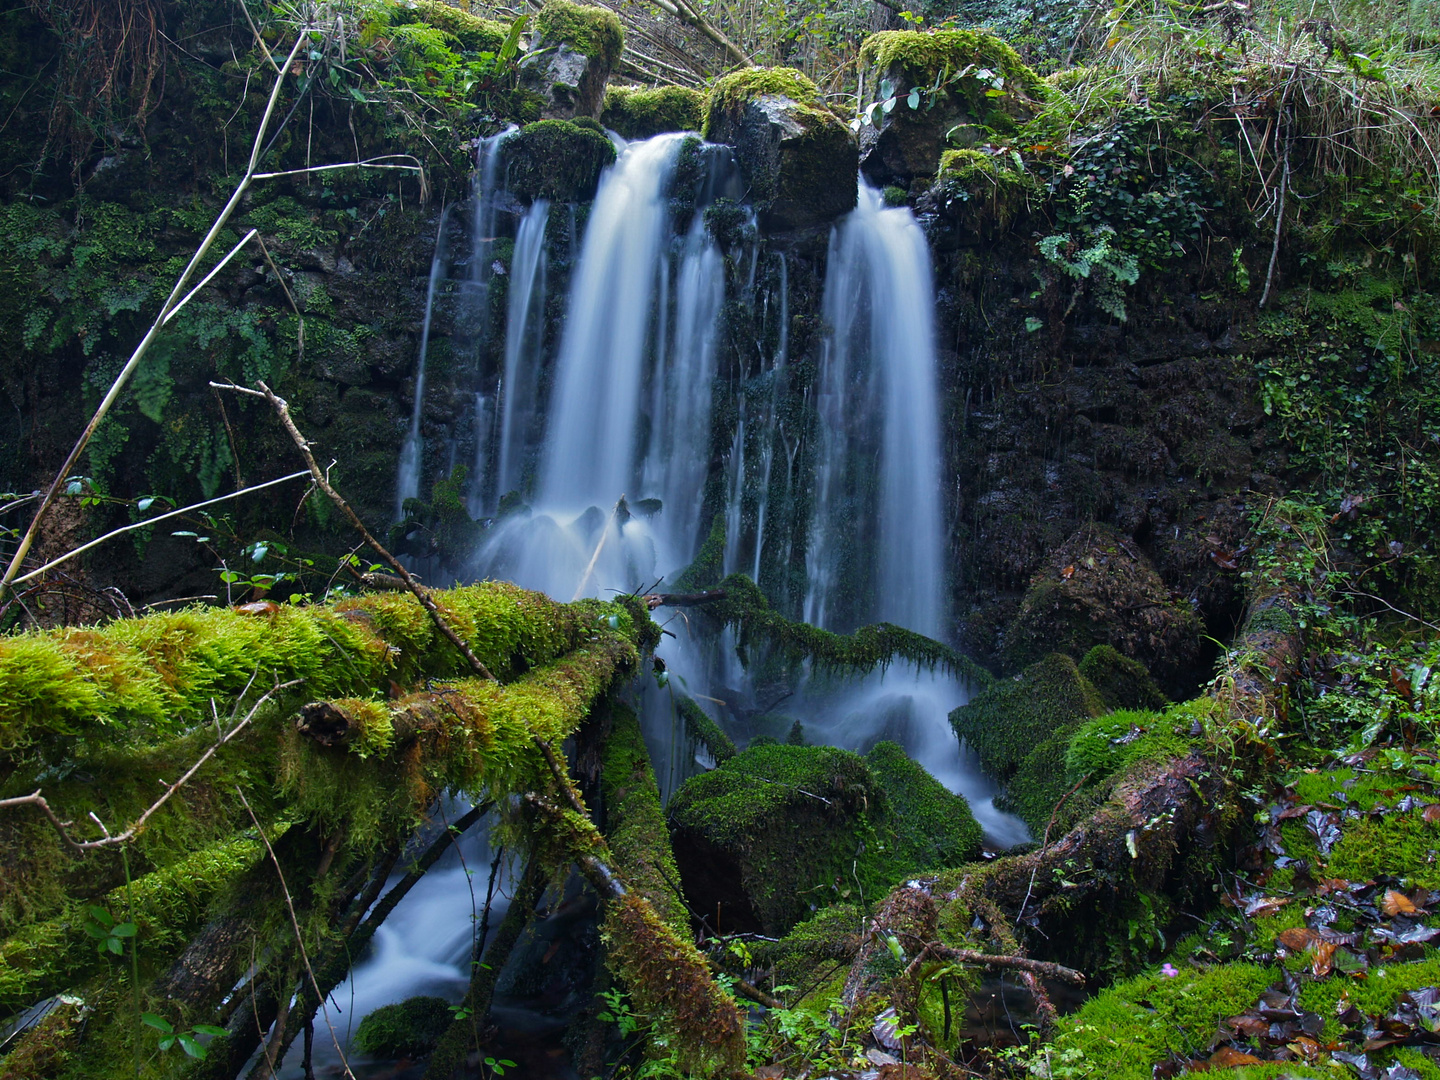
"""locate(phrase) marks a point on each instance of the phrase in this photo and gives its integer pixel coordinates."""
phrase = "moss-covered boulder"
(1099, 588)
(574, 49)
(984, 192)
(636, 113)
(556, 160)
(798, 160)
(408, 1029)
(942, 88)
(1123, 683)
(1009, 719)
(779, 831)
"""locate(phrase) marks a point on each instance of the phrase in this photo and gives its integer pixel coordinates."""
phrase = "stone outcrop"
(574, 48)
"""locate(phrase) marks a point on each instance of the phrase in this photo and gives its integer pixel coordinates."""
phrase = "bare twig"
(1043, 968)
(282, 409)
(166, 308)
(109, 840)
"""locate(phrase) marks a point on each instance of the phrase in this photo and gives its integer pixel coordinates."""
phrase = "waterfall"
(877, 535)
(590, 449)
(407, 479)
(605, 436)
(524, 330)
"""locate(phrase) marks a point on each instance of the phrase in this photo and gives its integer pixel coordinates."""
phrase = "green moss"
(44, 1050)
(145, 678)
(472, 33)
(1123, 683)
(747, 610)
(635, 824)
(709, 565)
(732, 91)
(934, 826)
(636, 113)
(1010, 718)
(168, 905)
(407, 1029)
(702, 729)
(557, 160)
(1122, 1032)
(804, 826)
(586, 28)
(828, 939)
(925, 54)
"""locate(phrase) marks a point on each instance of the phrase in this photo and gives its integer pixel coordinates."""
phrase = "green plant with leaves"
(188, 1040)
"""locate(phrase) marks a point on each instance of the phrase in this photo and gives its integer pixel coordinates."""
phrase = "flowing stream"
(614, 466)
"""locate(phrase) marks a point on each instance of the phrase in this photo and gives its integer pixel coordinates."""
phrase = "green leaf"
(167, 1042)
(100, 915)
(115, 945)
(1032, 324)
(145, 503)
(211, 1030)
(159, 1023)
(913, 99)
(124, 929)
(191, 1046)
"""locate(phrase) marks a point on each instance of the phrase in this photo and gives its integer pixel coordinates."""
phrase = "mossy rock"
(796, 157)
(636, 113)
(408, 1029)
(829, 937)
(997, 91)
(1123, 683)
(992, 190)
(556, 160)
(471, 32)
(574, 49)
(1099, 588)
(1010, 718)
(779, 831)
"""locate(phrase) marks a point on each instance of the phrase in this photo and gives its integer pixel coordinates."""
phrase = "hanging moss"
(636, 113)
(635, 824)
(745, 608)
(1011, 717)
(407, 1029)
(705, 731)
(1123, 683)
(557, 160)
(586, 28)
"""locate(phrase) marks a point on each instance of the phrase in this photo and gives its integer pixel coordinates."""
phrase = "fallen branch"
(109, 840)
(973, 957)
(282, 409)
(656, 600)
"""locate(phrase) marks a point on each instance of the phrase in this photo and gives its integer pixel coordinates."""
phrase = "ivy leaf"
(887, 106)
(913, 100)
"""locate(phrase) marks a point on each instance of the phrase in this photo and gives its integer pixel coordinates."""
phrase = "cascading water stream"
(407, 478)
(877, 534)
(524, 330)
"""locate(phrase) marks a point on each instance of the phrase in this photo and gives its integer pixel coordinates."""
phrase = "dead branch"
(656, 600)
(282, 410)
(109, 840)
(973, 957)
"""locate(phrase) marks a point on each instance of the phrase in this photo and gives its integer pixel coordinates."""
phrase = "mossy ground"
(407, 1029)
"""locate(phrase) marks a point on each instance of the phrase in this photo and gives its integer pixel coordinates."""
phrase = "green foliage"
(637, 113)
(586, 28)
(1350, 385)
(556, 159)
(971, 68)
(407, 1029)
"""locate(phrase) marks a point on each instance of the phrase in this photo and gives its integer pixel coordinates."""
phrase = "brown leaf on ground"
(1297, 938)
(1323, 962)
(1397, 903)
(1227, 1057)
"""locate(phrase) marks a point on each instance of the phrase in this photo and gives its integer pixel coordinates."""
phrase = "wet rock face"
(905, 143)
(1099, 588)
(572, 83)
(556, 160)
(798, 161)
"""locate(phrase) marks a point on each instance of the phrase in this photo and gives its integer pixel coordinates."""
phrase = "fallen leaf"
(1227, 1057)
(1323, 962)
(1260, 906)
(1067, 573)
(1397, 903)
(1431, 813)
(1297, 938)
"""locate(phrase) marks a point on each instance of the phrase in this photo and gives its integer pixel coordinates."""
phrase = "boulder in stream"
(778, 831)
(556, 160)
(796, 156)
(571, 54)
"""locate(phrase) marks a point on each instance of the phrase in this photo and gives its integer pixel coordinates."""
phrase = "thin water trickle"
(524, 331)
(407, 479)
